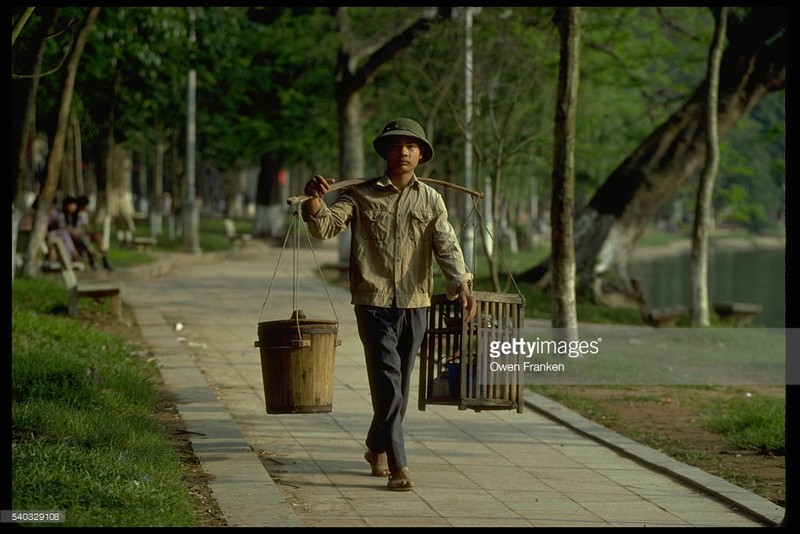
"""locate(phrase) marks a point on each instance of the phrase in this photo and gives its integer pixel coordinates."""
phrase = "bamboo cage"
(460, 365)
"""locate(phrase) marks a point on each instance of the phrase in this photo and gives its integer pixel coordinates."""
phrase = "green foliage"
(739, 209)
(277, 78)
(266, 81)
(83, 437)
(638, 66)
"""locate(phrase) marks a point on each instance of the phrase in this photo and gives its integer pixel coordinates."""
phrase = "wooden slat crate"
(456, 363)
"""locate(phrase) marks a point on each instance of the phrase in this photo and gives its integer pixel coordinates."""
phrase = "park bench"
(665, 317)
(233, 236)
(737, 313)
(94, 290)
(144, 244)
(47, 266)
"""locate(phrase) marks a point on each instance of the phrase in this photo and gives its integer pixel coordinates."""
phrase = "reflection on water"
(754, 276)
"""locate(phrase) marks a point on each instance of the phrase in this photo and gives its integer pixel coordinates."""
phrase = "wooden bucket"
(297, 361)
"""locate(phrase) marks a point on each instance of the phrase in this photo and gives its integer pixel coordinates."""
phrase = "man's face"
(403, 154)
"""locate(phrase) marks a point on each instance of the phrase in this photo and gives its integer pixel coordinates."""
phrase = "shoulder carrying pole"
(299, 199)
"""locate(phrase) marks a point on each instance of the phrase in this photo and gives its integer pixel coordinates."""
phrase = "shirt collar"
(385, 182)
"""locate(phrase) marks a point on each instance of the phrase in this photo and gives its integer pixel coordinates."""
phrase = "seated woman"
(88, 242)
(57, 225)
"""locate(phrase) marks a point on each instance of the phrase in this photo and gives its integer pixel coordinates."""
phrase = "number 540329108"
(32, 516)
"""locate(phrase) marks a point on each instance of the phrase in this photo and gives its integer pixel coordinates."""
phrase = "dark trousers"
(391, 339)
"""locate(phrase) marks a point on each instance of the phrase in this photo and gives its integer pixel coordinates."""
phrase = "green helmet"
(404, 127)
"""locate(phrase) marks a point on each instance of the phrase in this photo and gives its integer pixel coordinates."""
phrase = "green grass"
(211, 233)
(754, 423)
(84, 438)
(212, 238)
(747, 422)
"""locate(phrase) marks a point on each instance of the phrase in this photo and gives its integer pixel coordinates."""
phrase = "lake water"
(752, 275)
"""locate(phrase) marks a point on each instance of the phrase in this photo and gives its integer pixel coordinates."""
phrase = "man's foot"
(400, 481)
(378, 463)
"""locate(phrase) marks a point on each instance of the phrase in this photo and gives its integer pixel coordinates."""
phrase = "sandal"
(379, 469)
(399, 481)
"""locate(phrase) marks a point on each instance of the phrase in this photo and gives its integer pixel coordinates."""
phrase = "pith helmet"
(405, 127)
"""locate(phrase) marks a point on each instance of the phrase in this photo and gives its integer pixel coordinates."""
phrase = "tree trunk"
(105, 192)
(157, 194)
(119, 182)
(606, 230)
(270, 210)
(350, 81)
(77, 143)
(705, 189)
(351, 155)
(23, 147)
(56, 155)
(564, 313)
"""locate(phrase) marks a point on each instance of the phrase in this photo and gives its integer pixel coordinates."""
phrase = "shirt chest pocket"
(420, 225)
(375, 225)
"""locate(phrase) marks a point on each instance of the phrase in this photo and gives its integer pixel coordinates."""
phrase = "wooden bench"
(144, 244)
(737, 313)
(233, 236)
(666, 317)
(95, 290)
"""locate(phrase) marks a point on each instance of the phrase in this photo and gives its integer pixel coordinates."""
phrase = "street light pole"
(191, 241)
(468, 239)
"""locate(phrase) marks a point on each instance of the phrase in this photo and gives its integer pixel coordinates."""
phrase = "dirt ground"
(670, 419)
(663, 418)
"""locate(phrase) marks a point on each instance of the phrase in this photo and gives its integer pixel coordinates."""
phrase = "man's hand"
(467, 301)
(316, 189)
(318, 186)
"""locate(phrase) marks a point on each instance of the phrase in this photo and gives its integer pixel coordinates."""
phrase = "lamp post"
(468, 236)
(191, 241)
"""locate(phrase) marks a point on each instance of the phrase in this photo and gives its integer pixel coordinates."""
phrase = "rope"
(319, 269)
(277, 264)
(467, 220)
(293, 230)
(500, 253)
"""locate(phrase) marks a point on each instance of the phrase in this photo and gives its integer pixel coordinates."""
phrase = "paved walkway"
(544, 467)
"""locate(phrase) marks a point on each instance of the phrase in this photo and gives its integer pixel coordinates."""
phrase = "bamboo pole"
(299, 199)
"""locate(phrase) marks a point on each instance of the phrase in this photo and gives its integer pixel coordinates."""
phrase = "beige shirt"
(395, 237)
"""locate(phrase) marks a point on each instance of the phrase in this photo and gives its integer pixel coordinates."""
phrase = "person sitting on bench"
(58, 225)
(88, 242)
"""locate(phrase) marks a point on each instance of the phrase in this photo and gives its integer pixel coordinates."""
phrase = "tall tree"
(705, 189)
(56, 155)
(286, 111)
(564, 314)
(25, 87)
(606, 230)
